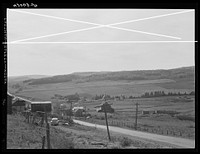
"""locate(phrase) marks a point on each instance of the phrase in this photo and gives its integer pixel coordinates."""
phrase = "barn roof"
(41, 102)
(10, 94)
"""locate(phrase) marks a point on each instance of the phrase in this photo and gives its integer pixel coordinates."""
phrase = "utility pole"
(104, 106)
(85, 113)
(70, 110)
(47, 132)
(136, 116)
(107, 124)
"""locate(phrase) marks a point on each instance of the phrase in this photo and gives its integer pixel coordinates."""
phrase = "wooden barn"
(20, 104)
(44, 106)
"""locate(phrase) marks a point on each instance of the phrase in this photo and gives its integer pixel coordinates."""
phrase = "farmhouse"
(43, 106)
(20, 104)
(100, 108)
(78, 111)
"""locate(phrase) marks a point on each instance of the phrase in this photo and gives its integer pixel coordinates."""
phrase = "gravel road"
(181, 142)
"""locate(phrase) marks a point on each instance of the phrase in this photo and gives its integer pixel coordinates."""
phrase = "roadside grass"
(21, 135)
(27, 136)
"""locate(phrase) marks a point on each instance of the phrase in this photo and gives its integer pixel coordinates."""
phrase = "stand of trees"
(74, 97)
(162, 93)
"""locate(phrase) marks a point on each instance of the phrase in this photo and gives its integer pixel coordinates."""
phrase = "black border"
(192, 4)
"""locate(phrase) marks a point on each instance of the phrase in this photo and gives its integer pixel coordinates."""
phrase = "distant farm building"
(78, 111)
(20, 104)
(100, 108)
(43, 106)
(144, 112)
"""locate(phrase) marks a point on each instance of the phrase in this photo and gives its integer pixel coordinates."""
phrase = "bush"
(61, 140)
(125, 142)
(185, 117)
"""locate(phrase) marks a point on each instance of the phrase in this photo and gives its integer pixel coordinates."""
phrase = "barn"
(43, 106)
(78, 111)
(16, 103)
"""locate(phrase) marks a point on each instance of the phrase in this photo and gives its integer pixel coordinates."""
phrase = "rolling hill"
(88, 84)
(174, 74)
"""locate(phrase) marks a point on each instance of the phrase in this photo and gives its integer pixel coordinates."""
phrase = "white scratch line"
(48, 16)
(101, 42)
(73, 31)
(137, 31)
(153, 17)
(99, 25)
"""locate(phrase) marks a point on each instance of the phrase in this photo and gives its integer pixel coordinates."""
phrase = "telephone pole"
(85, 113)
(107, 123)
(136, 115)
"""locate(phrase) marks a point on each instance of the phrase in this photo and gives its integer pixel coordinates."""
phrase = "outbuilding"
(43, 106)
(20, 104)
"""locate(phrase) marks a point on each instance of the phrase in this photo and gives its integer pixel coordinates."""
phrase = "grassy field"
(21, 135)
(113, 88)
(180, 124)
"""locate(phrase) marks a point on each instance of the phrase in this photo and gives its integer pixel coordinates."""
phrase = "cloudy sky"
(62, 41)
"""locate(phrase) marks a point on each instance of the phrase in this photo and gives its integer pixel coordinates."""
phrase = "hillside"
(174, 74)
(25, 77)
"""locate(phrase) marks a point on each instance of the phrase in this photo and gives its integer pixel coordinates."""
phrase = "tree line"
(162, 93)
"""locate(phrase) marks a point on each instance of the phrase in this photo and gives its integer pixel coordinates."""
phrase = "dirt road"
(181, 142)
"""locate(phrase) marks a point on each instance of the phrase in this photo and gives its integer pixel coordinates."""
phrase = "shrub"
(125, 142)
(61, 140)
(185, 117)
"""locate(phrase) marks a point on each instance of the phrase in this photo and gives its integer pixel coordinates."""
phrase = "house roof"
(78, 107)
(103, 103)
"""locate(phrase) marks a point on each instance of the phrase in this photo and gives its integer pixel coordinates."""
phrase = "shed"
(43, 106)
(78, 111)
(20, 104)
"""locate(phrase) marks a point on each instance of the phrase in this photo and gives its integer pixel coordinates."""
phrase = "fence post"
(136, 116)
(42, 121)
(33, 120)
(28, 117)
(43, 142)
(47, 132)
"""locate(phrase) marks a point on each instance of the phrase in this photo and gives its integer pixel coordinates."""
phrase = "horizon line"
(100, 71)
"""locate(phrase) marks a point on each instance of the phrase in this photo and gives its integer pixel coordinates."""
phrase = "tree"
(192, 93)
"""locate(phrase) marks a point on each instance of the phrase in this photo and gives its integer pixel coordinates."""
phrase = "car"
(54, 122)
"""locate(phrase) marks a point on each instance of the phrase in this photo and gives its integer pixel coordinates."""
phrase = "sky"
(63, 41)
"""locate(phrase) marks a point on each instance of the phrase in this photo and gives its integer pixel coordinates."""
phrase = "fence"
(141, 127)
(32, 118)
